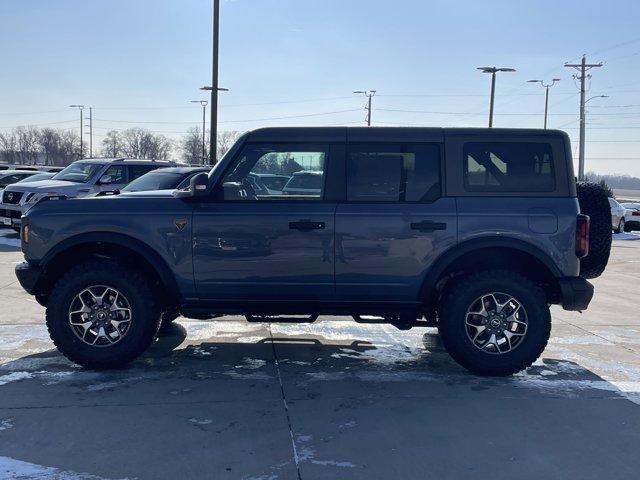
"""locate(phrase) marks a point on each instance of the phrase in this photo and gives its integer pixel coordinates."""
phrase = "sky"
(293, 62)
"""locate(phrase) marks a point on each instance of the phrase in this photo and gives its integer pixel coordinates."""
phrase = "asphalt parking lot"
(330, 400)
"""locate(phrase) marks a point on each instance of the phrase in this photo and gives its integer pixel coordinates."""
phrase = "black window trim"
(440, 147)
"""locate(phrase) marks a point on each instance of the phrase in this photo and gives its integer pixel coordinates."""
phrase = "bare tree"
(225, 141)
(8, 146)
(27, 143)
(191, 147)
(69, 146)
(141, 143)
(112, 145)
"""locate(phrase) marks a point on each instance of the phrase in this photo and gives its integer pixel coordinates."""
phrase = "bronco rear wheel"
(495, 322)
(101, 314)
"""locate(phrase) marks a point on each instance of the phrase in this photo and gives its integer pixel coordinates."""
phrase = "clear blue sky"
(143, 60)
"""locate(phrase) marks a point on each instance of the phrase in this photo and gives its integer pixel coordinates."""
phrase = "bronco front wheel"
(101, 314)
(495, 322)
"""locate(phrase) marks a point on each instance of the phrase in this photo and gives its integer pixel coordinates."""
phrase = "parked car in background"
(274, 182)
(37, 176)
(632, 217)
(164, 179)
(8, 177)
(80, 179)
(618, 217)
(305, 182)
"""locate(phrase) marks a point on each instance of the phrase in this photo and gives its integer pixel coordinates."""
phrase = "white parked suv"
(80, 179)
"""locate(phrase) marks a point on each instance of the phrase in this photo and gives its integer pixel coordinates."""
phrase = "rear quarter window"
(508, 167)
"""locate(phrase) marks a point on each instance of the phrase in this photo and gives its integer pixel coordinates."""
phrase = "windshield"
(155, 180)
(78, 172)
(37, 177)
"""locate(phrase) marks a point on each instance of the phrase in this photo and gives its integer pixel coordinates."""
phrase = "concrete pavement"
(330, 400)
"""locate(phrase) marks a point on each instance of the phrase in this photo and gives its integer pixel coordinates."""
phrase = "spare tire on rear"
(594, 202)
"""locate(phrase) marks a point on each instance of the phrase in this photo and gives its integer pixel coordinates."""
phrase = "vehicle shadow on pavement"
(236, 406)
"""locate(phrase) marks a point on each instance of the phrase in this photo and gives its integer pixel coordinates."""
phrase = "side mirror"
(106, 180)
(198, 186)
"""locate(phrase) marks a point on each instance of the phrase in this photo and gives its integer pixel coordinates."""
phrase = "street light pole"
(204, 108)
(493, 71)
(213, 135)
(213, 128)
(80, 107)
(546, 95)
(369, 94)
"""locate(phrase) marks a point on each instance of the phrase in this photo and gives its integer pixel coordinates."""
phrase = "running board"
(260, 318)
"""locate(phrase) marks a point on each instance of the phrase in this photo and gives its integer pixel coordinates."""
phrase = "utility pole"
(546, 95)
(90, 132)
(493, 71)
(369, 94)
(204, 108)
(583, 67)
(80, 107)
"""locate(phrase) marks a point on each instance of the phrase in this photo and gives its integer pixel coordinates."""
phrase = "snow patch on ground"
(201, 421)
(626, 236)
(6, 424)
(14, 377)
(308, 454)
(9, 238)
(11, 468)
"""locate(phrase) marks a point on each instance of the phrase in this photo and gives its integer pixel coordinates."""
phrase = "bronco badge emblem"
(180, 223)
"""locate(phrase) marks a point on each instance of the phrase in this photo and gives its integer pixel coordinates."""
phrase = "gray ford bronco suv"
(475, 231)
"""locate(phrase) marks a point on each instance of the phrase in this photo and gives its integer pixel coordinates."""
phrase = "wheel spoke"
(91, 312)
(496, 323)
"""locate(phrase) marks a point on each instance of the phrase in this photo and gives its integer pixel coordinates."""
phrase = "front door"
(394, 222)
(257, 243)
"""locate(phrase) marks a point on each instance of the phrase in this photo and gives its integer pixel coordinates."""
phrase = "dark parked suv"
(475, 231)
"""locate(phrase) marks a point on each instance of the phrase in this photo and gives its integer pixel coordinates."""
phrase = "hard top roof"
(128, 161)
(383, 134)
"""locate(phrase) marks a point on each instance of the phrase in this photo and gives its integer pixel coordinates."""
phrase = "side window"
(116, 172)
(508, 167)
(136, 171)
(393, 173)
(299, 168)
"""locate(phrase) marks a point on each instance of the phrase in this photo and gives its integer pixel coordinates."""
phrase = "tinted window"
(136, 171)
(393, 173)
(116, 172)
(508, 167)
(155, 181)
(301, 166)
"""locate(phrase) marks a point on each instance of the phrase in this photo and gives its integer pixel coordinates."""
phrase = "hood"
(45, 186)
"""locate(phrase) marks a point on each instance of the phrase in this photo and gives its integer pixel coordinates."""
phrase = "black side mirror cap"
(198, 187)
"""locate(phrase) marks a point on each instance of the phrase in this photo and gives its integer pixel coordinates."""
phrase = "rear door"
(254, 244)
(394, 222)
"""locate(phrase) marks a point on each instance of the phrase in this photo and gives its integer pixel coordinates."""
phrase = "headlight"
(36, 197)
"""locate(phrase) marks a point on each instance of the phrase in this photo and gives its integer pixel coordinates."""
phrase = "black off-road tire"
(145, 314)
(452, 313)
(594, 202)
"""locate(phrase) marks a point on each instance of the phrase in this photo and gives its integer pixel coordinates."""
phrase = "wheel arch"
(474, 255)
(109, 245)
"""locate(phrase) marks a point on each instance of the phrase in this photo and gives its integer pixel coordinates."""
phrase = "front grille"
(11, 198)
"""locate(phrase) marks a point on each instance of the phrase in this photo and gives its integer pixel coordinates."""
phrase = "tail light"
(582, 236)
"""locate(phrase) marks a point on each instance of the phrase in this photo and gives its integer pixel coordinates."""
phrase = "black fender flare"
(143, 249)
(495, 241)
